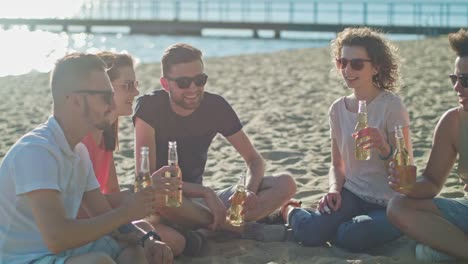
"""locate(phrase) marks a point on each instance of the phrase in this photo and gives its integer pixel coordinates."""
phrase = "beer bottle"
(143, 178)
(234, 216)
(360, 152)
(402, 160)
(173, 199)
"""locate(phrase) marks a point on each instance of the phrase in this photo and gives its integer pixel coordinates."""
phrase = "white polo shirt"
(42, 159)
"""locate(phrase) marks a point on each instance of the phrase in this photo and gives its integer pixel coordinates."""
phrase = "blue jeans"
(356, 226)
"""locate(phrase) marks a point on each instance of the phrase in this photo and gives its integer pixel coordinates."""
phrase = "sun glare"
(48, 47)
(39, 9)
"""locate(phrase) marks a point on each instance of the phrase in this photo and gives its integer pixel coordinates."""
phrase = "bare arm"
(442, 157)
(61, 233)
(336, 175)
(144, 136)
(115, 196)
(252, 158)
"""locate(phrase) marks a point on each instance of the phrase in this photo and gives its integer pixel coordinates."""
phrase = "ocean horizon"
(26, 50)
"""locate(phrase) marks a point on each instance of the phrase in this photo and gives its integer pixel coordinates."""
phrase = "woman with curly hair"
(352, 214)
(440, 223)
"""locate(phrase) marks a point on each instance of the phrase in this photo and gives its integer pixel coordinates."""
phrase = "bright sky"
(38, 8)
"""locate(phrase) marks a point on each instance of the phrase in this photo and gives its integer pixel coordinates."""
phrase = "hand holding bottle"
(174, 198)
(372, 139)
(250, 202)
(163, 185)
(397, 179)
(360, 152)
(404, 173)
(140, 204)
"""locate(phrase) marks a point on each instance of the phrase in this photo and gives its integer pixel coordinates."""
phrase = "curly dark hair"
(382, 53)
(459, 42)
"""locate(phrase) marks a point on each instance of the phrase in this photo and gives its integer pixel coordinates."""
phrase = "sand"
(282, 99)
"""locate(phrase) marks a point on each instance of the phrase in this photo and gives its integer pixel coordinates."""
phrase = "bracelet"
(151, 234)
(389, 154)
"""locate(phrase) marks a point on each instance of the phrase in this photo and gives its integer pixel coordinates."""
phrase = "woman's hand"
(330, 202)
(374, 140)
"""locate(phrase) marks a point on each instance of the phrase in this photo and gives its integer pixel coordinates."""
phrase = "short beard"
(87, 112)
(183, 105)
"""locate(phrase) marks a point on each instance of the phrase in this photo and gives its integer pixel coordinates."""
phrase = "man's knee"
(396, 208)
(286, 183)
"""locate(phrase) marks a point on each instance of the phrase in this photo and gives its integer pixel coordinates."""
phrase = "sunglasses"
(106, 95)
(462, 78)
(129, 86)
(356, 64)
(185, 82)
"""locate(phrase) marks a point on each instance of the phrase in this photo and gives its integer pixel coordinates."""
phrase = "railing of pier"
(392, 13)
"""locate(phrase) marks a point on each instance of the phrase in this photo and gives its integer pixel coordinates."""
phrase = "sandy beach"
(282, 99)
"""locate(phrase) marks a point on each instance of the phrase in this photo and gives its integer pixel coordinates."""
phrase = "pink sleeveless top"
(100, 158)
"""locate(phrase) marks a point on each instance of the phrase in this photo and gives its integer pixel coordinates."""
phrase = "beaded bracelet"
(389, 154)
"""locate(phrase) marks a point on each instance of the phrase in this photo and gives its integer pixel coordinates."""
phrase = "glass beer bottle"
(173, 199)
(234, 216)
(143, 178)
(402, 160)
(360, 152)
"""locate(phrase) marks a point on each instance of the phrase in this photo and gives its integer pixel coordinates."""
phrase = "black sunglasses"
(462, 78)
(356, 64)
(129, 86)
(185, 82)
(106, 95)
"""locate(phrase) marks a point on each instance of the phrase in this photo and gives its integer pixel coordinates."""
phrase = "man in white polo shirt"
(47, 174)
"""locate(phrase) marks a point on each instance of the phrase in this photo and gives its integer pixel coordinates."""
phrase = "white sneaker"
(427, 254)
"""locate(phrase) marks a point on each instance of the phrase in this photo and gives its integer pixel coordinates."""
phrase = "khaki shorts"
(223, 195)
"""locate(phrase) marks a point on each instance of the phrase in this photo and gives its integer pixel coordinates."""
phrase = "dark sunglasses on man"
(356, 64)
(106, 95)
(462, 78)
(185, 82)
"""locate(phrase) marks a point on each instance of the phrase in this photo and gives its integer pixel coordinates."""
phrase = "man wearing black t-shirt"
(185, 113)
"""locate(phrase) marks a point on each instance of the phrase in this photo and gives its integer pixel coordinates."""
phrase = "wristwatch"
(151, 234)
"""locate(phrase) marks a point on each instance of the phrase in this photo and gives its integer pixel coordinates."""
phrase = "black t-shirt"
(193, 133)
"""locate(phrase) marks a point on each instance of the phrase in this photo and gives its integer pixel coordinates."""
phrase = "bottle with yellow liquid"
(143, 178)
(360, 152)
(402, 161)
(173, 199)
(234, 216)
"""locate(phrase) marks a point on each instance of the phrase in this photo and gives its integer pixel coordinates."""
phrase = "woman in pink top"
(102, 143)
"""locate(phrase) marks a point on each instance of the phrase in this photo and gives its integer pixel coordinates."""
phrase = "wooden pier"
(191, 17)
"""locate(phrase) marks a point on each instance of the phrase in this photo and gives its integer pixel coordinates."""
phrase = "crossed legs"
(274, 192)
(423, 221)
